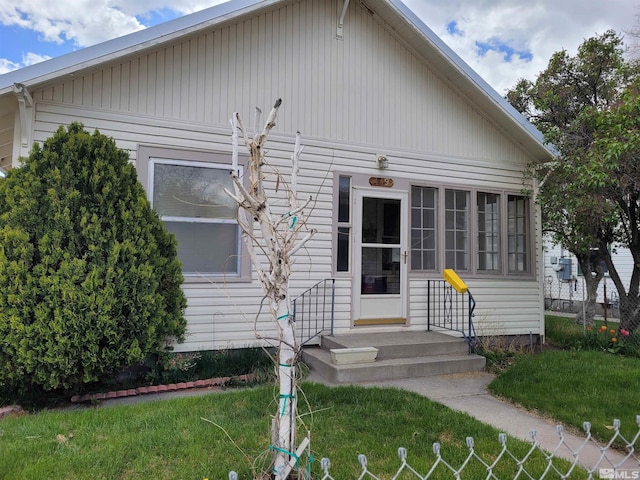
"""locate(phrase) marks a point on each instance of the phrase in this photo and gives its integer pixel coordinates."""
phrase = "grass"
(169, 439)
(563, 331)
(573, 386)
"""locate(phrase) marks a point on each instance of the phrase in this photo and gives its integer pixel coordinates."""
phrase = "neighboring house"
(360, 82)
(564, 288)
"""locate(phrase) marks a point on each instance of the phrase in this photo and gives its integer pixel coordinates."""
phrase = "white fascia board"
(118, 47)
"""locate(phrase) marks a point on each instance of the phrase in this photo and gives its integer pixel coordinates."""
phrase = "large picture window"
(191, 200)
(187, 190)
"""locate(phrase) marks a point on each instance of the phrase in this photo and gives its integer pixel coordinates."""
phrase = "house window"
(470, 230)
(518, 233)
(424, 231)
(456, 229)
(344, 223)
(488, 207)
(190, 198)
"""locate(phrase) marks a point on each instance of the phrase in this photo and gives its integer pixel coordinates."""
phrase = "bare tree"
(277, 243)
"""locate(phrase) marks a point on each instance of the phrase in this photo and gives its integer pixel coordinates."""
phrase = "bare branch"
(304, 240)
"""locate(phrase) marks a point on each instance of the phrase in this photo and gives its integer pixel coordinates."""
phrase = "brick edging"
(172, 387)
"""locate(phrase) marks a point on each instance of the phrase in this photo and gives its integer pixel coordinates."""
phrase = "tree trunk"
(278, 243)
(629, 313)
(591, 280)
(284, 428)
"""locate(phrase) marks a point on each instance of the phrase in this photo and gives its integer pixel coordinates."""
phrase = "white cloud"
(7, 66)
(541, 27)
(87, 22)
(82, 22)
(30, 58)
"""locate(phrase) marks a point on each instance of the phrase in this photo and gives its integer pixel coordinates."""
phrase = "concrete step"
(400, 344)
(319, 360)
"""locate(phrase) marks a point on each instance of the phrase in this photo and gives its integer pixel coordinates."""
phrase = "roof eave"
(39, 73)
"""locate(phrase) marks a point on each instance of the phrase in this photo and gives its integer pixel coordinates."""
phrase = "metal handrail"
(450, 310)
(314, 310)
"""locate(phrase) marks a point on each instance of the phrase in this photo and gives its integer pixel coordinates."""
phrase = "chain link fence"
(616, 459)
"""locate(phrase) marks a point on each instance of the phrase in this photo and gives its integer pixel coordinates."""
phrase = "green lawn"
(576, 386)
(169, 439)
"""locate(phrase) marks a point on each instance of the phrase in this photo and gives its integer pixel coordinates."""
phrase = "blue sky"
(503, 40)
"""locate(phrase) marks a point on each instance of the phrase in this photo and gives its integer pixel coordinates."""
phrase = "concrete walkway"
(468, 393)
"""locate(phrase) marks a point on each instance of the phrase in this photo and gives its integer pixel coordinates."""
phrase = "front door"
(380, 255)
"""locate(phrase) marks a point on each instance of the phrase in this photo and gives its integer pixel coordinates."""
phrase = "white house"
(414, 162)
(564, 285)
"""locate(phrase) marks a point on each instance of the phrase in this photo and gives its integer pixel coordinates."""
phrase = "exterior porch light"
(382, 162)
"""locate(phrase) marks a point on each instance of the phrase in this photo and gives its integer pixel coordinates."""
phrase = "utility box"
(564, 274)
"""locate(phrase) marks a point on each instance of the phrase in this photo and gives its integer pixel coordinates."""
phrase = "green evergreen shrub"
(89, 277)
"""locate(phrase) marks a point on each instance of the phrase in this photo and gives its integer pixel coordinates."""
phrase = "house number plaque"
(381, 182)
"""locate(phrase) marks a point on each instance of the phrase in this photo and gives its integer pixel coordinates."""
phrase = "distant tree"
(89, 277)
(564, 103)
(613, 173)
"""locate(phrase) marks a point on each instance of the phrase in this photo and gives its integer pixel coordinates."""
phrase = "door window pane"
(380, 220)
(380, 271)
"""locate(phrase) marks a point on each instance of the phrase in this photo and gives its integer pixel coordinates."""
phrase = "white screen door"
(380, 257)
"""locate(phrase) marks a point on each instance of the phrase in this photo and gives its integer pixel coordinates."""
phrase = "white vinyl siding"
(337, 89)
(352, 99)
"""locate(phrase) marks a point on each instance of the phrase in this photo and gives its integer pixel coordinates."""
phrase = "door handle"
(404, 257)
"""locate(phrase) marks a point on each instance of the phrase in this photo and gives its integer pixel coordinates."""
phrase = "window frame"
(527, 234)
(455, 230)
(501, 227)
(473, 229)
(149, 156)
(437, 222)
(342, 225)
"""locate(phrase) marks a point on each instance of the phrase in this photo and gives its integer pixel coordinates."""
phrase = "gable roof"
(393, 13)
